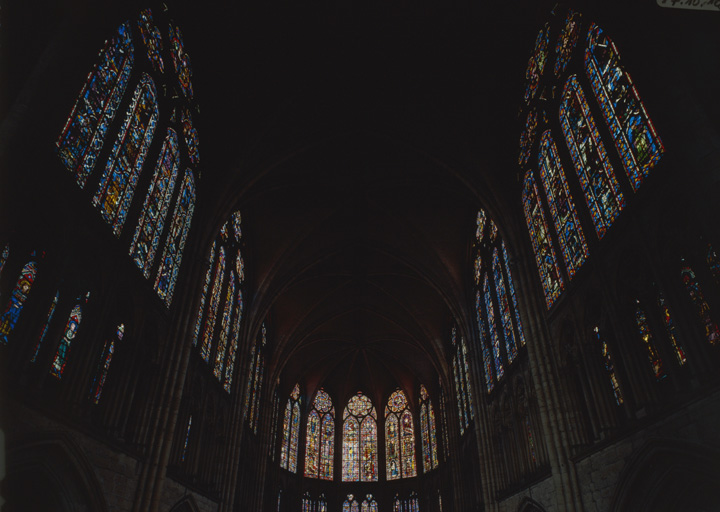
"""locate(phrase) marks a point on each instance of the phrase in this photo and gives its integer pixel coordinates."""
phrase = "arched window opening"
(319, 445)
(399, 438)
(635, 137)
(291, 432)
(369, 504)
(122, 171)
(427, 429)
(461, 373)
(350, 504)
(152, 39)
(46, 326)
(648, 339)
(609, 366)
(104, 364)
(708, 325)
(444, 422)
(17, 300)
(566, 41)
(670, 330)
(84, 133)
(536, 64)
(69, 334)
(4, 257)
(360, 457)
(192, 141)
(255, 379)
(181, 61)
(527, 137)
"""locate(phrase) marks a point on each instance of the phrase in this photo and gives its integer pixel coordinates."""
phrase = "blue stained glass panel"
(536, 64)
(44, 330)
(504, 306)
(513, 297)
(152, 39)
(17, 300)
(487, 358)
(492, 327)
(203, 296)
(567, 40)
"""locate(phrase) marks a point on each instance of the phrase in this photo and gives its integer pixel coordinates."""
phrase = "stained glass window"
(274, 424)
(152, 39)
(17, 300)
(649, 341)
(461, 393)
(567, 40)
(203, 297)
(541, 241)
(427, 430)
(635, 137)
(360, 457)
(225, 326)
(669, 323)
(319, 446)
(492, 328)
(69, 334)
(157, 202)
(192, 141)
(466, 366)
(399, 438)
(255, 379)
(527, 137)
(291, 429)
(609, 366)
(213, 306)
(230, 358)
(350, 504)
(712, 260)
(444, 421)
(181, 61)
(710, 328)
(307, 504)
(45, 327)
(513, 297)
(117, 184)
(504, 308)
(536, 64)
(4, 257)
(84, 133)
(487, 358)
(322, 504)
(187, 439)
(562, 207)
(369, 504)
(597, 177)
(104, 364)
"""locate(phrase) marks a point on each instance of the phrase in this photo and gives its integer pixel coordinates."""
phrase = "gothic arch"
(668, 475)
(530, 505)
(186, 504)
(50, 471)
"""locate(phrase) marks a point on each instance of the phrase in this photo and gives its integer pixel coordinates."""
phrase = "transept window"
(427, 430)
(360, 457)
(291, 432)
(399, 438)
(320, 442)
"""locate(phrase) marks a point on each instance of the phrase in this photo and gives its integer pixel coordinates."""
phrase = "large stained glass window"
(291, 432)
(609, 365)
(536, 64)
(319, 446)
(570, 234)
(181, 61)
(709, 327)
(69, 334)
(84, 133)
(635, 137)
(369, 504)
(152, 39)
(646, 335)
(175, 242)
(350, 504)
(117, 184)
(104, 364)
(567, 40)
(360, 454)
(399, 438)
(45, 327)
(597, 177)
(157, 202)
(541, 241)
(17, 300)
(427, 430)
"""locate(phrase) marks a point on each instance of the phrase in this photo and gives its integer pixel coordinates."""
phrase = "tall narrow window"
(649, 341)
(710, 328)
(46, 326)
(492, 329)
(399, 438)
(460, 384)
(513, 296)
(4, 257)
(255, 379)
(570, 234)
(274, 424)
(566, 41)
(322, 504)
(506, 317)
(225, 326)
(360, 457)
(596, 175)
(369, 504)
(192, 141)
(104, 364)
(213, 306)
(319, 446)
(669, 323)
(427, 430)
(536, 64)
(635, 137)
(69, 334)
(291, 431)
(609, 366)
(307, 503)
(181, 61)
(484, 341)
(444, 424)
(157, 202)
(527, 137)
(350, 504)
(152, 39)
(540, 237)
(84, 133)
(118, 182)
(17, 300)
(187, 439)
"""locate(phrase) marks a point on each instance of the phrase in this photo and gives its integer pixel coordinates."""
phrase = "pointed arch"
(428, 431)
(291, 431)
(360, 456)
(320, 438)
(399, 438)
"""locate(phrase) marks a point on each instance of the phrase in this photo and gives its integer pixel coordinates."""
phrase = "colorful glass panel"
(649, 342)
(230, 358)
(192, 141)
(487, 358)
(46, 326)
(369, 504)
(468, 385)
(595, 173)
(609, 366)
(425, 437)
(152, 39)
(187, 439)
(444, 419)
(527, 137)
(562, 208)
(237, 225)
(392, 447)
(481, 221)
(635, 137)
(712, 260)
(225, 326)
(536, 64)
(351, 450)
(513, 296)
(157, 202)
(540, 237)
(567, 40)
(285, 447)
(492, 328)
(294, 434)
(181, 61)
(504, 305)
(175, 243)
(17, 300)
(433, 438)
(63, 350)
(327, 446)
(710, 328)
(210, 317)
(351, 504)
(312, 444)
(104, 365)
(669, 323)
(203, 296)
(368, 447)
(4, 257)
(408, 445)
(359, 440)
(117, 184)
(84, 133)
